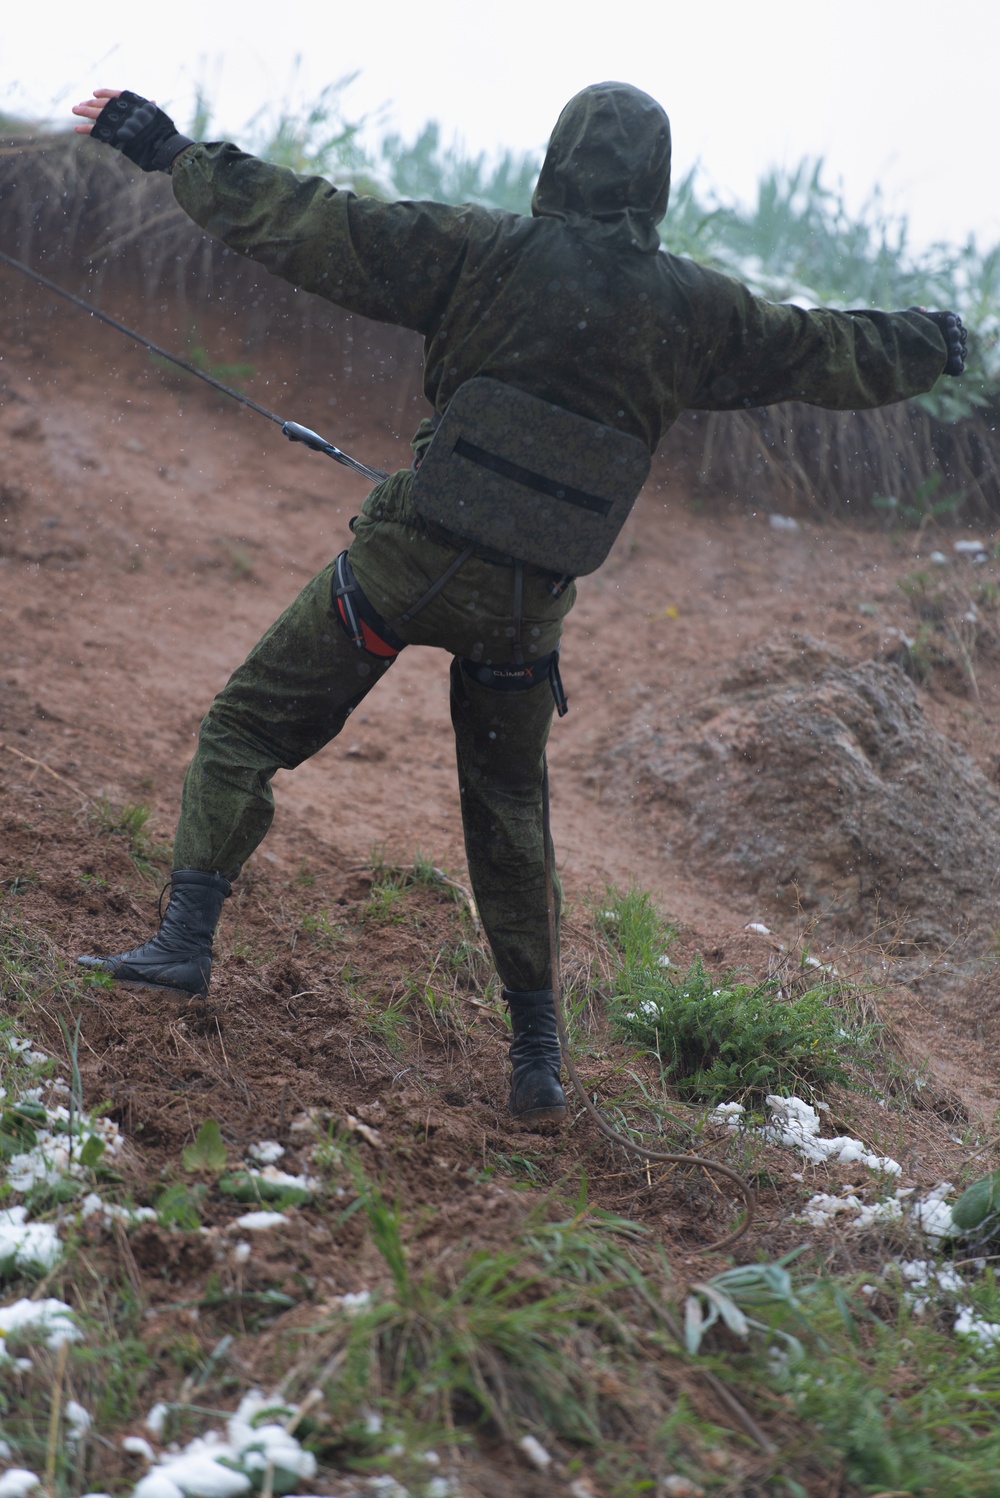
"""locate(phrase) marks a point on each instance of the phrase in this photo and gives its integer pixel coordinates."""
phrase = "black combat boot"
(180, 954)
(536, 1057)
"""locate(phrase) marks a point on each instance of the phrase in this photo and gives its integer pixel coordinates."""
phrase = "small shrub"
(718, 1038)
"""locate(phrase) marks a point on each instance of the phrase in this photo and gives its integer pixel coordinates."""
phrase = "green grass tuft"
(718, 1038)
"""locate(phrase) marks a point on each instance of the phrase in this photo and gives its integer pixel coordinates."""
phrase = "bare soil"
(148, 534)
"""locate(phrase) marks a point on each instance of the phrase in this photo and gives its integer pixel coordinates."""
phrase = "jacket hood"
(606, 173)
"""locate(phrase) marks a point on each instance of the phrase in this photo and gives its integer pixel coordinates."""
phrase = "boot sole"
(168, 988)
(542, 1115)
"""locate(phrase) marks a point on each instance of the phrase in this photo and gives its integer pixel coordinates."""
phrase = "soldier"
(575, 309)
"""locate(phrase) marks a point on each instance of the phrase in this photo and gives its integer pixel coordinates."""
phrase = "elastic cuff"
(168, 151)
(536, 997)
(204, 878)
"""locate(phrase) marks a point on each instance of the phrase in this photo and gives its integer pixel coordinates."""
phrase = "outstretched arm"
(764, 353)
(395, 262)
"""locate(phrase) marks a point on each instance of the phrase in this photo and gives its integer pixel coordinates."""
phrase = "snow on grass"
(266, 1151)
(56, 1151)
(257, 1441)
(27, 1247)
(985, 1333)
(49, 1149)
(796, 1124)
(51, 1320)
(258, 1221)
(109, 1213)
(17, 1482)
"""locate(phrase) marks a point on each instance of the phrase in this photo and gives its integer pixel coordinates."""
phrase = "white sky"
(897, 93)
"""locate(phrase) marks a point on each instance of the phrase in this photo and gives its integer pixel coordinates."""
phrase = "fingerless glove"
(141, 131)
(955, 337)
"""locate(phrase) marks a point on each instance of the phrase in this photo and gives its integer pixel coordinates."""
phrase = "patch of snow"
(256, 1222)
(727, 1115)
(196, 1472)
(215, 1467)
(282, 1178)
(783, 523)
(93, 1206)
(17, 1482)
(56, 1152)
(156, 1484)
(933, 1214)
(53, 1319)
(354, 1301)
(79, 1421)
(27, 1245)
(648, 1009)
(266, 1151)
(822, 1208)
(138, 1447)
(759, 927)
(795, 1124)
(156, 1419)
(272, 1445)
(968, 1324)
(536, 1453)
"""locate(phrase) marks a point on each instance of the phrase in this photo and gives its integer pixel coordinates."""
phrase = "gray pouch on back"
(529, 479)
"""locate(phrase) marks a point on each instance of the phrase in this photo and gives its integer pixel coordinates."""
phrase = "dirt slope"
(148, 534)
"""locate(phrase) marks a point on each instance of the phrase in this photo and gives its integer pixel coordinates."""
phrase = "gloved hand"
(140, 130)
(955, 337)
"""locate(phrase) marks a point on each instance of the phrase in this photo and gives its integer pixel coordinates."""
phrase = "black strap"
(435, 588)
(531, 480)
(516, 650)
(521, 677)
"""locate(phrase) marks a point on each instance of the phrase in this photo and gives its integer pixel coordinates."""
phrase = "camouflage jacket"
(576, 304)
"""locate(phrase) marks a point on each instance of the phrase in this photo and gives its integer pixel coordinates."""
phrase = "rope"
(291, 429)
(713, 1166)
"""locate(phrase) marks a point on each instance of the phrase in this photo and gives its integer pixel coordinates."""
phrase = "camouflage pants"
(297, 687)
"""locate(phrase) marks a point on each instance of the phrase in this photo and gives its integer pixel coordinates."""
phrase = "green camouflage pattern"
(570, 304)
(299, 684)
(528, 479)
(575, 305)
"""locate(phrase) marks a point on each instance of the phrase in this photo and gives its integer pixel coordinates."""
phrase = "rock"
(817, 784)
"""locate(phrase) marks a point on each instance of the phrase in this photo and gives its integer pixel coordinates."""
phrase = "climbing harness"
(292, 430)
(713, 1166)
(363, 624)
(521, 678)
(367, 630)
